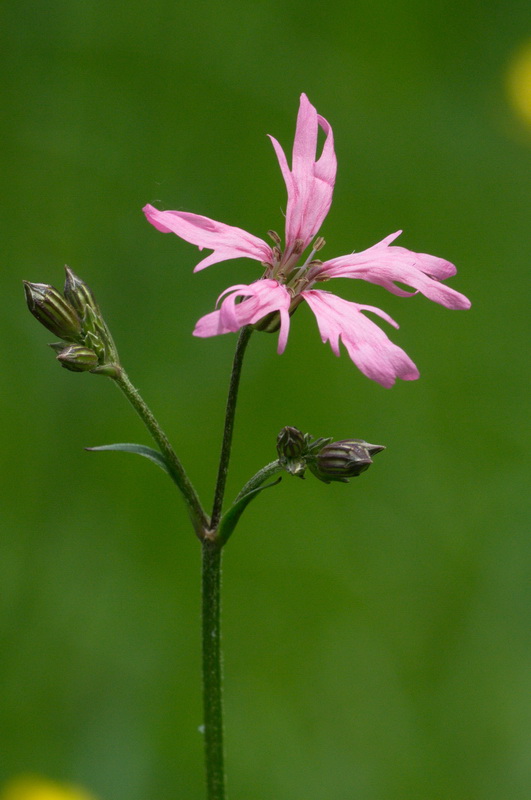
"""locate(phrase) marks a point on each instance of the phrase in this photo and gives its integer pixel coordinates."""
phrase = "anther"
(275, 237)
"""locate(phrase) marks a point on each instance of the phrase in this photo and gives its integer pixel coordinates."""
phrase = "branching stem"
(177, 471)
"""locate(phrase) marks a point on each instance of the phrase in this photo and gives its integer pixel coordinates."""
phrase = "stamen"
(297, 274)
(275, 237)
(314, 272)
(308, 260)
(318, 244)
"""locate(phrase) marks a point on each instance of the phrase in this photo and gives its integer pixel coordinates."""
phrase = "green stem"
(243, 340)
(176, 469)
(211, 599)
(212, 696)
(257, 480)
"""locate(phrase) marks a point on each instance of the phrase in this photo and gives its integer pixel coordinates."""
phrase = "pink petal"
(367, 345)
(261, 298)
(310, 183)
(384, 265)
(225, 240)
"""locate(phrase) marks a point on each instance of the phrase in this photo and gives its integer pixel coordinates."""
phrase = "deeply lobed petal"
(367, 345)
(260, 299)
(225, 240)
(310, 182)
(384, 264)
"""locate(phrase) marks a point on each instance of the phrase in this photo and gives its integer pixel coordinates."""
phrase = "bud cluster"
(327, 460)
(86, 344)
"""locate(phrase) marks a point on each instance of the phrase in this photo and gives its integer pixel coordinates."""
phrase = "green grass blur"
(376, 634)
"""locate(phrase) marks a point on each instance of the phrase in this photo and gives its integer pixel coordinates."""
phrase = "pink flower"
(268, 303)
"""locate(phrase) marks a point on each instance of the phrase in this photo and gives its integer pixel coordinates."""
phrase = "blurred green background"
(376, 634)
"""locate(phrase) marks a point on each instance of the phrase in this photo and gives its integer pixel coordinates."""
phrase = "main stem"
(211, 598)
(212, 677)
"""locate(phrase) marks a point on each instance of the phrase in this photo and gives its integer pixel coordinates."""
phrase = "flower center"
(285, 269)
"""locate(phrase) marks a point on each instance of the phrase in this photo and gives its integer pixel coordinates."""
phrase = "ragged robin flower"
(290, 276)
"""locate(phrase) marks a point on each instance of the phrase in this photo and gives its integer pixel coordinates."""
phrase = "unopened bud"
(78, 294)
(77, 358)
(52, 310)
(342, 460)
(292, 447)
(290, 443)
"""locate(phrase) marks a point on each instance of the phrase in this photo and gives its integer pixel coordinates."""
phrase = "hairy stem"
(176, 469)
(212, 677)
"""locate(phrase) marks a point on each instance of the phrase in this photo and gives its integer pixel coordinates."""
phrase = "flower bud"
(342, 460)
(77, 358)
(51, 309)
(78, 294)
(291, 449)
(290, 443)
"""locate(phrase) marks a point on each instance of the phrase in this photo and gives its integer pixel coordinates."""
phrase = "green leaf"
(231, 518)
(140, 449)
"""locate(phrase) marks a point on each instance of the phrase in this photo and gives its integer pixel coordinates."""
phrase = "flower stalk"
(176, 469)
(243, 341)
(261, 477)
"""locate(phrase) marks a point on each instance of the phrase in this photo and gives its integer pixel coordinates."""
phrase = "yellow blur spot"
(519, 82)
(28, 788)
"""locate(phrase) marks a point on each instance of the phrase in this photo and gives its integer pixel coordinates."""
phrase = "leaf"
(140, 449)
(231, 518)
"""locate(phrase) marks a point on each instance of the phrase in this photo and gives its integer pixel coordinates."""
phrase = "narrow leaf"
(231, 518)
(140, 449)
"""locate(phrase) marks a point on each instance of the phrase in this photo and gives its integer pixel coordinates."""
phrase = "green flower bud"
(290, 442)
(51, 309)
(291, 446)
(77, 358)
(78, 294)
(342, 460)
(97, 336)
